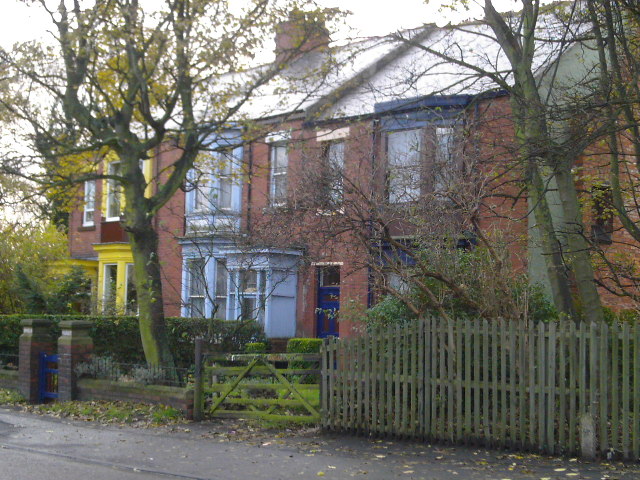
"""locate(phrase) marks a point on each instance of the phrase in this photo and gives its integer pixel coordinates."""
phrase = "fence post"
(197, 387)
(74, 346)
(323, 387)
(36, 338)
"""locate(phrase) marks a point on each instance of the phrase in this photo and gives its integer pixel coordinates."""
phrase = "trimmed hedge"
(255, 347)
(119, 337)
(304, 345)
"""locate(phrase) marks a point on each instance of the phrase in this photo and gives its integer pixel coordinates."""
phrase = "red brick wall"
(169, 224)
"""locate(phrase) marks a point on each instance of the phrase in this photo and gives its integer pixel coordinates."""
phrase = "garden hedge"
(118, 336)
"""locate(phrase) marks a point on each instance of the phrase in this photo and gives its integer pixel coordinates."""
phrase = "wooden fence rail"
(273, 387)
(495, 383)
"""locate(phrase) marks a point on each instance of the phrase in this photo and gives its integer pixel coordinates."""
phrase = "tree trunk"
(148, 277)
(556, 270)
(578, 247)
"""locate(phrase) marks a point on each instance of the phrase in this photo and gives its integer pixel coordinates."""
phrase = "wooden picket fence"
(495, 383)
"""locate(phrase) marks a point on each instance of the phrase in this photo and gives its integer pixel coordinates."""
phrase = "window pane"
(196, 277)
(221, 277)
(110, 279)
(330, 276)
(279, 187)
(131, 306)
(113, 192)
(224, 193)
(221, 313)
(335, 170)
(404, 148)
(443, 171)
(196, 307)
(201, 194)
(249, 308)
(248, 281)
(89, 202)
(278, 173)
(404, 157)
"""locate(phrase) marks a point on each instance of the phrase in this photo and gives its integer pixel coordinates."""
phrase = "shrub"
(104, 368)
(149, 375)
(255, 347)
(118, 337)
(304, 345)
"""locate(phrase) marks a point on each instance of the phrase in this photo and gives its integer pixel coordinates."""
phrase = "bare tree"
(120, 82)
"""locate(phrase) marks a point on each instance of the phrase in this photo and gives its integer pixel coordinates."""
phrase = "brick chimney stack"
(303, 32)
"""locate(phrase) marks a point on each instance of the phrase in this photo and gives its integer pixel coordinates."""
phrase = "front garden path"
(35, 447)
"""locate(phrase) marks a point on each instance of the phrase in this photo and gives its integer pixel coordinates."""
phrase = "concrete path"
(44, 448)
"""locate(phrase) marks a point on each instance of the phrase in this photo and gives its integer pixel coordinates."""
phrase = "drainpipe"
(374, 149)
(249, 189)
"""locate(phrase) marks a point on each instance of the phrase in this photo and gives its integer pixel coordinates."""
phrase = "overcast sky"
(370, 17)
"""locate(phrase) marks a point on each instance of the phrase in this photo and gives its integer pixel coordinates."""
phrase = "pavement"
(40, 447)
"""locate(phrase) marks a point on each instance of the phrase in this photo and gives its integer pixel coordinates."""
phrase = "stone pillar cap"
(75, 324)
(36, 322)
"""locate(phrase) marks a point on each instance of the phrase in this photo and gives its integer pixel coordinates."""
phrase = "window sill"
(86, 228)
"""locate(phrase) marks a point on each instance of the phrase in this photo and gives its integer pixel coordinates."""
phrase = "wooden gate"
(48, 377)
(274, 387)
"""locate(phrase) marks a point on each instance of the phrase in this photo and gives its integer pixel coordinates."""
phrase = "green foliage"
(30, 293)
(540, 308)
(10, 397)
(118, 337)
(389, 311)
(69, 295)
(255, 347)
(622, 316)
(25, 258)
(304, 345)
(10, 331)
(72, 294)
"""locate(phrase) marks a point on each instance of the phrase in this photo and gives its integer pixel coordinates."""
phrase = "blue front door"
(328, 301)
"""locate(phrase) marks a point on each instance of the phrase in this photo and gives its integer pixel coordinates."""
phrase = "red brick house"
(271, 228)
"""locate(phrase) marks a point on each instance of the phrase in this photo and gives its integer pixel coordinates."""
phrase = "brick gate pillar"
(36, 337)
(74, 346)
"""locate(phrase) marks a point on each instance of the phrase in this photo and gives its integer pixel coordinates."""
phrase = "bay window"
(196, 287)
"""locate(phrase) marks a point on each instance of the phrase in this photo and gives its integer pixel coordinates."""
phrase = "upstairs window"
(224, 199)
(405, 159)
(114, 193)
(89, 203)
(444, 166)
(333, 172)
(278, 173)
(213, 186)
(421, 161)
(202, 194)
